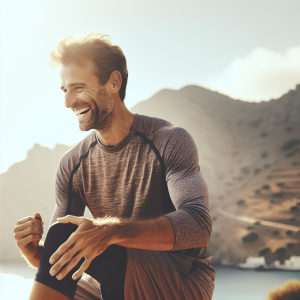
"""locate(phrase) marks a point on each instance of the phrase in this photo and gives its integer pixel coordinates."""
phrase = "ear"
(114, 82)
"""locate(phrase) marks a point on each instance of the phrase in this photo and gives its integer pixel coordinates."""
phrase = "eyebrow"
(73, 84)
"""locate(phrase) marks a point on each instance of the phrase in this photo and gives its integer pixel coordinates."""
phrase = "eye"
(78, 88)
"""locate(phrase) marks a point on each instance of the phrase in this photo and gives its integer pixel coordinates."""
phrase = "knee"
(58, 233)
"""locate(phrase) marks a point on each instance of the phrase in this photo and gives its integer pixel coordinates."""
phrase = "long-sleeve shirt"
(153, 171)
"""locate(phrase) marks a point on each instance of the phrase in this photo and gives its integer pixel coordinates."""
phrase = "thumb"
(38, 216)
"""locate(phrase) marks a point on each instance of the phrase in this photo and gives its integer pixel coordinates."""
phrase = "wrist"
(111, 227)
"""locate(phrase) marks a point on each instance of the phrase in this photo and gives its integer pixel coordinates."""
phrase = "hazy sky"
(249, 50)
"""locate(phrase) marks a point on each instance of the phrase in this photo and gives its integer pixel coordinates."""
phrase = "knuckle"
(63, 248)
(68, 256)
(74, 261)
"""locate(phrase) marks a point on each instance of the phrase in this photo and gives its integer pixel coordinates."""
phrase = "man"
(139, 176)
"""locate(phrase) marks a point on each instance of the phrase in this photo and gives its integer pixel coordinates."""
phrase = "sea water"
(245, 284)
(230, 283)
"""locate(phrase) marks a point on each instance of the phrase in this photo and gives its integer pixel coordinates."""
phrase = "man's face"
(90, 101)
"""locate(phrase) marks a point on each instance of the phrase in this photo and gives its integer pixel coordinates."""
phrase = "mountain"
(238, 142)
(240, 146)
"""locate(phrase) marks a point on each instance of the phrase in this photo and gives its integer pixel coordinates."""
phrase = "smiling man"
(139, 176)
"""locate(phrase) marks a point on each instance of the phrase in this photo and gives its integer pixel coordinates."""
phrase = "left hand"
(87, 241)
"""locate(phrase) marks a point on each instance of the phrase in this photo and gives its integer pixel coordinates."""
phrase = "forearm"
(34, 261)
(156, 234)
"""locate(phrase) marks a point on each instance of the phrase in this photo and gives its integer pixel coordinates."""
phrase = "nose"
(69, 99)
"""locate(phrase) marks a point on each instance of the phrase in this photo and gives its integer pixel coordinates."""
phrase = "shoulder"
(149, 126)
(167, 138)
(170, 138)
(157, 129)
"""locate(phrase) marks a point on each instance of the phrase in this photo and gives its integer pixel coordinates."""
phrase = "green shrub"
(240, 202)
(250, 227)
(290, 154)
(289, 232)
(278, 195)
(294, 208)
(292, 219)
(257, 223)
(257, 191)
(290, 144)
(265, 187)
(264, 251)
(275, 232)
(290, 245)
(264, 134)
(272, 201)
(280, 184)
(252, 236)
(280, 251)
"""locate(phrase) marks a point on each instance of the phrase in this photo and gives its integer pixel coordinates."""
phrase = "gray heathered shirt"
(154, 171)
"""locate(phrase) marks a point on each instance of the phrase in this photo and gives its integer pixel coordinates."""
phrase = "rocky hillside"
(240, 144)
(237, 141)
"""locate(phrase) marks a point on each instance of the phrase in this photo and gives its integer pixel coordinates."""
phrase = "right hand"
(28, 233)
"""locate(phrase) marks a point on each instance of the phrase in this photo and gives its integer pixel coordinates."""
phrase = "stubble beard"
(102, 114)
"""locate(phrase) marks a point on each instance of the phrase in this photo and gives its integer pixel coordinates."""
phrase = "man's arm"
(156, 234)
(190, 225)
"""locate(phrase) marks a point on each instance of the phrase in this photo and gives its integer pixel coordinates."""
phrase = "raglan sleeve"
(188, 191)
(67, 200)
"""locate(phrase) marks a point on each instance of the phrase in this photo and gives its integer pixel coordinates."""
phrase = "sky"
(249, 50)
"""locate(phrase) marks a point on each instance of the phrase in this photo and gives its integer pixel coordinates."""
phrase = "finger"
(38, 216)
(26, 240)
(29, 224)
(62, 261)
(28, 231)
(73, 262)
(82, 268)
(70, 219)
(62, 249)
(27, 219)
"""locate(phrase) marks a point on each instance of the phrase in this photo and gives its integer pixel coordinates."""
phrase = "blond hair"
(98, 48)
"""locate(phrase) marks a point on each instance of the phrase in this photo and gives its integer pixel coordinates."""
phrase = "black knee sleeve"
(58, 233)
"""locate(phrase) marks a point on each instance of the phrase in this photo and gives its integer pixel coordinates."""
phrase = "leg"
(109, 268)
(40, 291)
(46, 284)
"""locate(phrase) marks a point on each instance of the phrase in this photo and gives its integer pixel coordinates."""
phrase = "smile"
(81, 111)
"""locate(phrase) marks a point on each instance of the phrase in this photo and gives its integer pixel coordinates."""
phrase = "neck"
(121, 121)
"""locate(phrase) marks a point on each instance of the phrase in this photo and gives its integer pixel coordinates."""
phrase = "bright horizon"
(167, 44)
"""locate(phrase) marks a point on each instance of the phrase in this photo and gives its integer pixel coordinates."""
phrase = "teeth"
(77, 112)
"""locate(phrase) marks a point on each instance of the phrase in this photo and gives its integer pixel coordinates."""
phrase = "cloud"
(260, 75)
